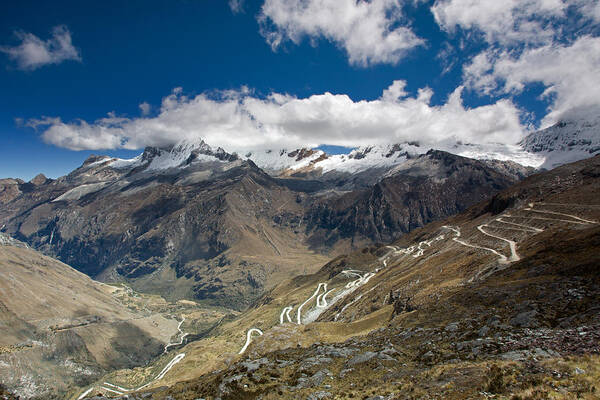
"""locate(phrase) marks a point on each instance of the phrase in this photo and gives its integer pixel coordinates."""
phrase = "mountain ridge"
(564, 142)
(224, 230)
(190, 221)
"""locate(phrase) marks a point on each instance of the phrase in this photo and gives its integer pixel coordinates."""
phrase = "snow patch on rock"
(78, 192)
(279, 160)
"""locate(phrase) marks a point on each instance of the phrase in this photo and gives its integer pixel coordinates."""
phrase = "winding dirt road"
(285, 313)
(514, 256)
(321, 285)
(249, 338)
(183, 335)
(109, 387)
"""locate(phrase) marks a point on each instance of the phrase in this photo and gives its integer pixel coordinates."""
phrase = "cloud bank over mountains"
(522, 43)
(238, 120)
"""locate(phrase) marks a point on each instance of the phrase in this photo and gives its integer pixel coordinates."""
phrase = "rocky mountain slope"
(193, 222)
(423, 189)
(499, 301)
(60, 329)
(202, 231)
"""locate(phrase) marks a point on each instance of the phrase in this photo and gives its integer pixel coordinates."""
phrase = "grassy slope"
(61, 329)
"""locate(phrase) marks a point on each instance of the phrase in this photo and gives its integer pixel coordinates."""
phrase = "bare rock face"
(195, 222)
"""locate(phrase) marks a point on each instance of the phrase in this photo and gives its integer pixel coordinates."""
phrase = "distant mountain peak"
(95, 159)
(275, 161)
(566, 141)
(178, 156)
(39, 179)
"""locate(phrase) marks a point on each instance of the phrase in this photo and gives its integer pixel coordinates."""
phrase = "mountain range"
(298, 274)
(195, 222)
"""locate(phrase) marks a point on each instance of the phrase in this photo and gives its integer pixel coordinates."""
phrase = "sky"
(80, 78)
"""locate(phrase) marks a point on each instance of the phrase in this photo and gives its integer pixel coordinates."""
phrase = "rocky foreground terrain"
(500, 301)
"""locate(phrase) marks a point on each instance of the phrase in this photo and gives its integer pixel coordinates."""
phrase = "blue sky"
(229, 59)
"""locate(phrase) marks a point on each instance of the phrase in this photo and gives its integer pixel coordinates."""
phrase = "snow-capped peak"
(359, 159)
(565, 142)
(178, 156)
(366, 157)
(279, 160)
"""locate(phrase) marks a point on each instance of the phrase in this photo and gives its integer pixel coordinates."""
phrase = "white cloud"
(570, 74)
(145, 108)
(239, 121)
(588, 8)
(593, 10)
(395, 91)
(547, 42)
(34, 53)
(371, 32)
(502, 21)
(237, 6)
